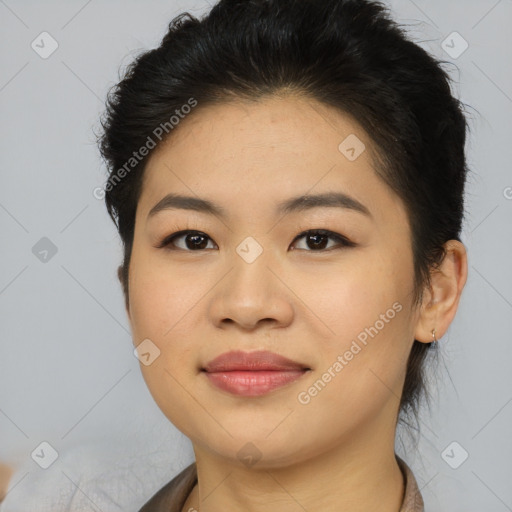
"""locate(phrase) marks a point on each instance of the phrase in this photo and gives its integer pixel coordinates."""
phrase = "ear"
(441, 301)
(124, 288)
(120, 273)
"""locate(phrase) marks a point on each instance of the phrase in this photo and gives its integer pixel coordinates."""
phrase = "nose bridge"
(251, 292)
(250, 261)
(250, 250)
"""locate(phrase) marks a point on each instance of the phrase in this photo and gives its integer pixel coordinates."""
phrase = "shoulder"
(173, 495)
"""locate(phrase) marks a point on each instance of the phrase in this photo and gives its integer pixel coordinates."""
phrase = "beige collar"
(413, 501)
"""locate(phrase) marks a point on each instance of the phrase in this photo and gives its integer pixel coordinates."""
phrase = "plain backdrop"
(68, 376)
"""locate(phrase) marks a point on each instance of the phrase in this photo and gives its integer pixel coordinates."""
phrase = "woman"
(287, 178)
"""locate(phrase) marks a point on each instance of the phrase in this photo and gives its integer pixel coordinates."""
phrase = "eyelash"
(341, 240)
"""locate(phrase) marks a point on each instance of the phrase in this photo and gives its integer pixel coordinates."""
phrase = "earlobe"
(443, 296)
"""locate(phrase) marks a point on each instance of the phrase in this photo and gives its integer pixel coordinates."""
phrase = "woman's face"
(249, 282)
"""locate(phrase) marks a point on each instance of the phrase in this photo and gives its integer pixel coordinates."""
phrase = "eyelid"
(342, 240)
(168, 239)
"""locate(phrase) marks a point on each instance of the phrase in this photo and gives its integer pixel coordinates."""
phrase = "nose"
(250, 295)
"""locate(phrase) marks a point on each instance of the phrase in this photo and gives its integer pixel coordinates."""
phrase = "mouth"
(252, 373)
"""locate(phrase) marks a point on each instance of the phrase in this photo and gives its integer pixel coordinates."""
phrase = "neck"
(359, 474)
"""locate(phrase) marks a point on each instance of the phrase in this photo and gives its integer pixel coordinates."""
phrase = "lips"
(252, 373)
(252, 361)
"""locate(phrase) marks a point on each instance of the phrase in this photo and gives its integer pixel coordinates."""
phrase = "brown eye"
(318, 239)
(193, 241)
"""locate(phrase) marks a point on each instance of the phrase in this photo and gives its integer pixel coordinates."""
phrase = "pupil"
(195, 245)
(316, 244)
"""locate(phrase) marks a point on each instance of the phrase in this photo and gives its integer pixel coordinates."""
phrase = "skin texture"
(335, 452)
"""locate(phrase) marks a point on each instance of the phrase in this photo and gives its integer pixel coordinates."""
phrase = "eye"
(197, 240)
(194, 240)
(317, 237)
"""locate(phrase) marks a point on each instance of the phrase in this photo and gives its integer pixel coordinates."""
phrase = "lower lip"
(253, 383)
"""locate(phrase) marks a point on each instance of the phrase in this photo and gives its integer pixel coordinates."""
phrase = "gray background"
(68, 375)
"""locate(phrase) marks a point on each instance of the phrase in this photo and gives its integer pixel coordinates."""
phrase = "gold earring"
(434, 339)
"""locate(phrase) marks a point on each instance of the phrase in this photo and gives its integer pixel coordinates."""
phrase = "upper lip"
(252, 361)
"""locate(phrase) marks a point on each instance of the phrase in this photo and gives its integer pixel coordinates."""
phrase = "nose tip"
(251, 298)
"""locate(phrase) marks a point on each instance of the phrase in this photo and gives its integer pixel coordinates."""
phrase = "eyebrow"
(295, 204)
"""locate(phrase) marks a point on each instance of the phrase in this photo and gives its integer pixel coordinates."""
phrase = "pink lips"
(252, 373)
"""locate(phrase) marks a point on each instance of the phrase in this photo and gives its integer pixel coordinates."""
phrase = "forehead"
(249, 154)
(292, 125)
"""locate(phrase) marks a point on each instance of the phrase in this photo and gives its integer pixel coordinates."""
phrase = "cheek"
(366, 309)
(354, 295)
(161, 307)
(362, 367)
(160, 299)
